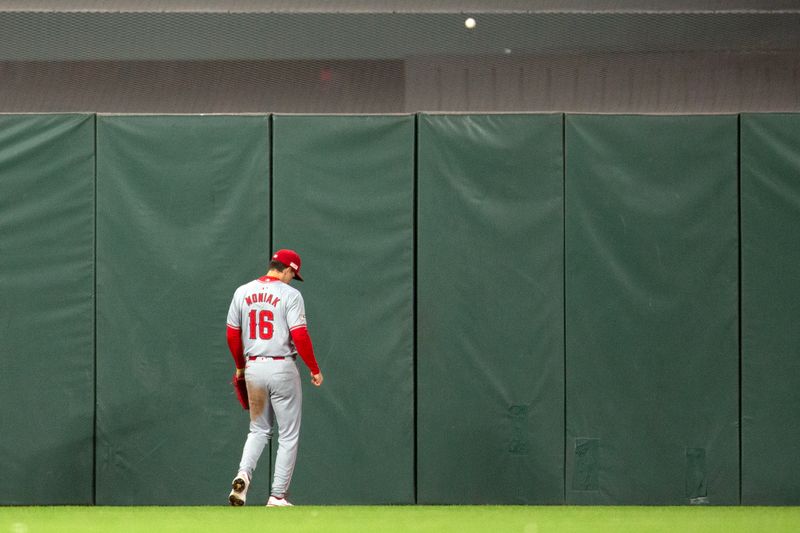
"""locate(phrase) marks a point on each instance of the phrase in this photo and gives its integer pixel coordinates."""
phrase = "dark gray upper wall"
(396, 6)
(176, 31)
(296, 56)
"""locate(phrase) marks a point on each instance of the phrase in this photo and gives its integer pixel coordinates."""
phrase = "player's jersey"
(266, 310)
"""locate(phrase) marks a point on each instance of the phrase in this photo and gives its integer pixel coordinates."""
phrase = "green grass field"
(492, 519)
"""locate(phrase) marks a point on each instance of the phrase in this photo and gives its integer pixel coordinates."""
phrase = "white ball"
(469, 23)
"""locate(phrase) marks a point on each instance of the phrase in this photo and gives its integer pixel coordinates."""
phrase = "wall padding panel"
(652, 310)
(46, 309)
(770, 152)
(182, 217)
(343, 198)
(490, 310)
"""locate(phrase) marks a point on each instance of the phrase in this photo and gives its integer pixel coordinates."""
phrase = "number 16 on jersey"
(262, 326)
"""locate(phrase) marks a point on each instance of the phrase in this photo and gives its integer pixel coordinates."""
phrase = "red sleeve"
(303, 344)
(236, 346)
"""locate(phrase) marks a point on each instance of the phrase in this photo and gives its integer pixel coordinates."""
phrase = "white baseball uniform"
(265, 310)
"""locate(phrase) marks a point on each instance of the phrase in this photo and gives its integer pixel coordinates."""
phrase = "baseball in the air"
(469, 23)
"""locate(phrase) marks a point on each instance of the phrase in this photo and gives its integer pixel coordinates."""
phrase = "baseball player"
(266, 331)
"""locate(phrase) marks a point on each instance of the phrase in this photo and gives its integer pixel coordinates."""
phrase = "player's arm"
(234, 332)
(296, 320)
(302, 342)
(236, 347)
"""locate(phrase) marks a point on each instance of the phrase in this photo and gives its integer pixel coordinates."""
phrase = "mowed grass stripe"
(492, 519)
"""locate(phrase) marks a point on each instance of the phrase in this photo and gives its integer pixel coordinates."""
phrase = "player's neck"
(278, 276)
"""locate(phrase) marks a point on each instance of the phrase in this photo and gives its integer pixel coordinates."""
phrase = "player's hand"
(240, 372)
(316, 379)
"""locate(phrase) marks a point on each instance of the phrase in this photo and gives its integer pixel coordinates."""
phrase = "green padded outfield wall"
(490, 310)
(183, 219)
(652, 353)
(46, 309)
(343, 198)
(770, 195)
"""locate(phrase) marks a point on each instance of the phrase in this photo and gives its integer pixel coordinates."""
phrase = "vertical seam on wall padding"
(94, 323)
(739, 318)
(564, 283)
(414, 224)
(271, 244)
(270, 180)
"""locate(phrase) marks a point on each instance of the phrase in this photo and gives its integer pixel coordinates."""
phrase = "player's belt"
(275, 357)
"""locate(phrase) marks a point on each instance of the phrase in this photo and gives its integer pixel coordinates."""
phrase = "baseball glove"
(240, 387)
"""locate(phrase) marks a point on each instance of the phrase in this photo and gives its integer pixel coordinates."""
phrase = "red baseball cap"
(290, 259)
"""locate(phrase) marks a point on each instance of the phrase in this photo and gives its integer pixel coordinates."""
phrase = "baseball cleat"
(274, 501)
(239, 488)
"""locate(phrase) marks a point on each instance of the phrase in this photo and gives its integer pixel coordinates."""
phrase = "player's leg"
(287, 398)
(261, 420)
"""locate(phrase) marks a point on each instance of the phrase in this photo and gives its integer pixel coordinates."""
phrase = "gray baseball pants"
(279, 381)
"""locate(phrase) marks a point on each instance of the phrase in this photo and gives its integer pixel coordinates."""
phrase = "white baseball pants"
(279, 380)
